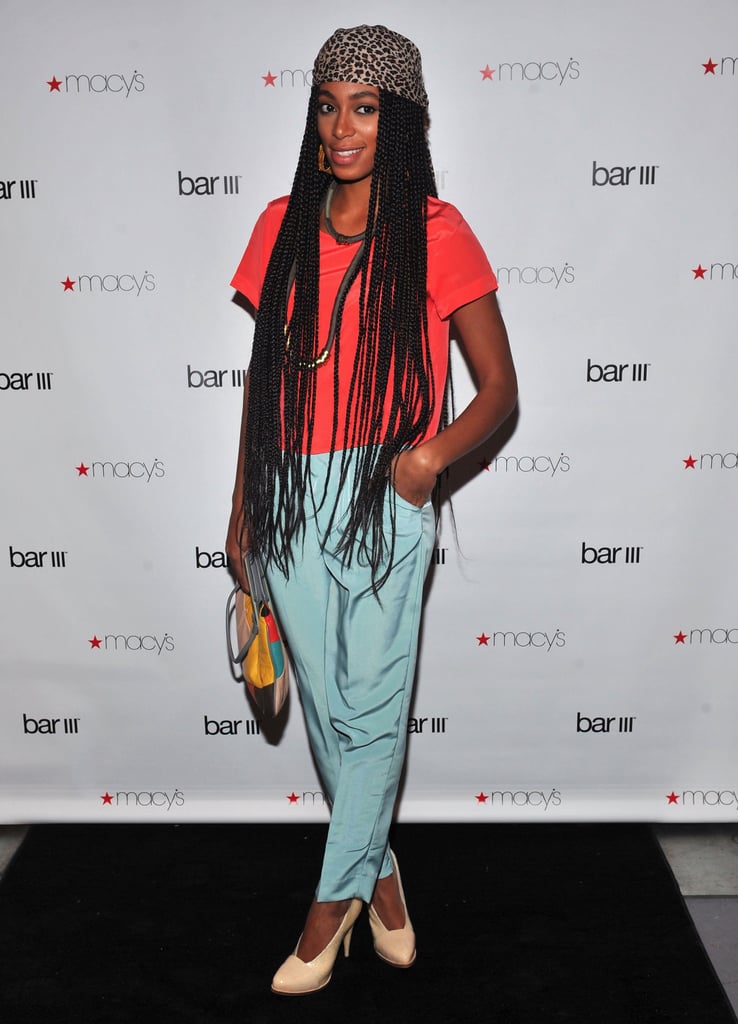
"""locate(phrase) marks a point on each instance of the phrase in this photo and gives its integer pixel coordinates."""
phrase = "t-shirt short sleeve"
(249, 276)
(458, 269)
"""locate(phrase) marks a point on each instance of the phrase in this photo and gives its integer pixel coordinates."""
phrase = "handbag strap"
(238, 656)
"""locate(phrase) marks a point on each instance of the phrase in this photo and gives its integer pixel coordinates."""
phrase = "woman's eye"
(364, 109)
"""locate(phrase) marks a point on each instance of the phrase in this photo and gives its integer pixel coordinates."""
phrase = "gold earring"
(323, 164)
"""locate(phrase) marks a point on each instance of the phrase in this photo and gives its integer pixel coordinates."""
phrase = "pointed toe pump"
(395, 946)
(298, 977)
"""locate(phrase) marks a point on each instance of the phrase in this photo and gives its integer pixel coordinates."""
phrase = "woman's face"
(348, 116)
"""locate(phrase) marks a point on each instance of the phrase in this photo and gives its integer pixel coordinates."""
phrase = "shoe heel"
(347, 941)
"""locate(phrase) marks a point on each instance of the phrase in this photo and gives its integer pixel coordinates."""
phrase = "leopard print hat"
(372, 55)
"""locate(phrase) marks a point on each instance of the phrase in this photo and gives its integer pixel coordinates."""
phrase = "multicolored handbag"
(260, 651)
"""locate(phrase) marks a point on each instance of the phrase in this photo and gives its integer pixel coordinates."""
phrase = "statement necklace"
(313, 364)
(341, 239)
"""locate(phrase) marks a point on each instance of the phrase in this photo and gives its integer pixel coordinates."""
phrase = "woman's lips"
(345, 156)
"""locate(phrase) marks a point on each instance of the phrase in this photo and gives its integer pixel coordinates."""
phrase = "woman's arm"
(237, 538)
(484, 339)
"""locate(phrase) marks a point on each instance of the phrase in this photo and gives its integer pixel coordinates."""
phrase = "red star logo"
(710, 66)
(672, 797)
(94, 643)
(484, 465)
(699, 271)
(487, 73)
(107, 799)
(54, 85)
(483, 640)
(68, 284)
(680, 637)
(482, 798)
(81, 469)
(293, 797)
(689, 463)
(269, 79)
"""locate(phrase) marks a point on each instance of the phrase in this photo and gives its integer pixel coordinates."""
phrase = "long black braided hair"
(392, 359)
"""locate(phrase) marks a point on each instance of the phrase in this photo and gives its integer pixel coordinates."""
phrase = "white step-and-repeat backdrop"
(580, 647)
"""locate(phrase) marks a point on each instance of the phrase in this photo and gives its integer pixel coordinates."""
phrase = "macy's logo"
(130, 798)
(532, 71)
(523, 638)
(519, 798)
(548, 465)
(87, 284)
(122, 470)
(315, 798)
(547, 274)
(705, 798)
(98, 83)
(712, 460)
(724, 66)
(716, 272)
(291, 78)
(132, 642)
(707, 636)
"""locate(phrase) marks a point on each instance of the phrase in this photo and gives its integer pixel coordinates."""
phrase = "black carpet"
(516, 924)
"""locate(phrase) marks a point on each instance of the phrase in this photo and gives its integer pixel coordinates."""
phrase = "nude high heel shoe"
(298, 977)
(395, 946)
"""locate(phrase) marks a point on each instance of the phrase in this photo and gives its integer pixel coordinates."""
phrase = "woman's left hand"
(412, 476)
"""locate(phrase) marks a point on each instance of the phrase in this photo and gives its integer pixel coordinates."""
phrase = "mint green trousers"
(354, 659)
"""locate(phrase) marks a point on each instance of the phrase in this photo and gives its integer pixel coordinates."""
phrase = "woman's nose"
(343, 126)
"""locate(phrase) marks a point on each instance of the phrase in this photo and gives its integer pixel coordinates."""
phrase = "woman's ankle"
(387, 902)
(321, 925)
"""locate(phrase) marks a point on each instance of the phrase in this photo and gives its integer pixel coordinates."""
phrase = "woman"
(355, 277)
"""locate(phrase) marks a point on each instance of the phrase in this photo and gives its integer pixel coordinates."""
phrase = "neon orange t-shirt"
(458, 273)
